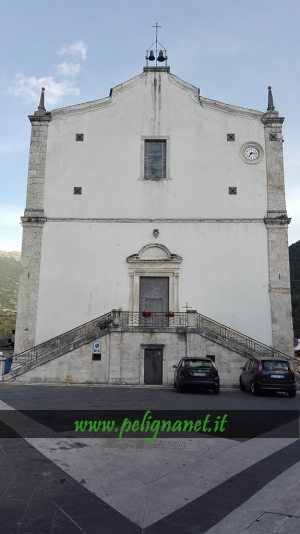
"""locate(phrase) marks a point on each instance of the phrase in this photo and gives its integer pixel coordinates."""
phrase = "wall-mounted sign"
(97, 348)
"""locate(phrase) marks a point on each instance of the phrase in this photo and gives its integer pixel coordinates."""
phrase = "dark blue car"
(196, 372)
(268, 374)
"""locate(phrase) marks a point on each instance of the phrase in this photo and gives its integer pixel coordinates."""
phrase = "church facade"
(155, 199)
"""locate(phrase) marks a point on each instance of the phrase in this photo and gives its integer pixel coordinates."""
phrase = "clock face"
(251, 153)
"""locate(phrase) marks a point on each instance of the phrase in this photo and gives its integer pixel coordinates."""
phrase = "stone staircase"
(59, 345)
(237, 342)
(135, 321)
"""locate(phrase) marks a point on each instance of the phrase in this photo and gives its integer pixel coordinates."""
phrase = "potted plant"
(105, 324)
(169, 314)
(146, 314)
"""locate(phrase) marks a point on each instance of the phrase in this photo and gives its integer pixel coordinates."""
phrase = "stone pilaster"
(277, 226)
(33, 222)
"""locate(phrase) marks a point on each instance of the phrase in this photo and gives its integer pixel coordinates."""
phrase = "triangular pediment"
(116, 93)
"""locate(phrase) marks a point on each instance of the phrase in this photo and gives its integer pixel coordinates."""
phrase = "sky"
(232, 50)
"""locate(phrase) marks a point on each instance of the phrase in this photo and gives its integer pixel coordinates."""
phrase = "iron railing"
(245, 342)
(91, 330)
(64, 342)
(152, 319)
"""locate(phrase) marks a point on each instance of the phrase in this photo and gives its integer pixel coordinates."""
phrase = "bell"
(151, 56)
(161, 56)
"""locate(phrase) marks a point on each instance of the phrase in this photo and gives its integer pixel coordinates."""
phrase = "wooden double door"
(154, 297)
(153, 366)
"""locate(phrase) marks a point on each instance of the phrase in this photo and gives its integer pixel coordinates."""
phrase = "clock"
(251, 152)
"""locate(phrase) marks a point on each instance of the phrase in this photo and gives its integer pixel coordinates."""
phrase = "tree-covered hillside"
(9, 281)
(295, 285)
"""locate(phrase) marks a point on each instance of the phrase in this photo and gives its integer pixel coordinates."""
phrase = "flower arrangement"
(146, 314)
(169, 314)
(104, 324)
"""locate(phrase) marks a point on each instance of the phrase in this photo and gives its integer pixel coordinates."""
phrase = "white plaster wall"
(203, 164)
(224, 272)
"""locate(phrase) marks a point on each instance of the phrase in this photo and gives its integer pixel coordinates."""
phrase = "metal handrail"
(87, 332)
(64, 341)
(154, 319)
(250, 345)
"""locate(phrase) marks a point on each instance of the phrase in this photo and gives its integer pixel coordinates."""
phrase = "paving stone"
(290, 526)
(106, 522)
(234, 527)
(10, 523)
(69, 497)
(183, 524)
(19, 487)
(85, 507)
(64, 525)
(65, 528)
(268, 523)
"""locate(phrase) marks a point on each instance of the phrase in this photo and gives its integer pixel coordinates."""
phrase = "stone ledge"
(156, 68)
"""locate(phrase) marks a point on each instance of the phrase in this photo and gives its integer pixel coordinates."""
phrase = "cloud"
(30, 88)
(68, 69)
(77, 49)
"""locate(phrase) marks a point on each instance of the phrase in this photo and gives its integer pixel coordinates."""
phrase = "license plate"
(277, 376)
(199, 374)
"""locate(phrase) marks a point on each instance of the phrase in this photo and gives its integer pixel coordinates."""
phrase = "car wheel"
(292, 393)
(242, 386)
(253, 389)
(179, 388)
(216, 390)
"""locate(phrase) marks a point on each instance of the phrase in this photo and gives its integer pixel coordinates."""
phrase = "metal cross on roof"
(186, 306)
(160, 56)
(156, 26)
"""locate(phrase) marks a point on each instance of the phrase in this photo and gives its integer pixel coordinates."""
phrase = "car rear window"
(275, 366)
(197, 363)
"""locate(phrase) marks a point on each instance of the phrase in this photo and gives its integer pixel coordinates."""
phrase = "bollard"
(2, 365)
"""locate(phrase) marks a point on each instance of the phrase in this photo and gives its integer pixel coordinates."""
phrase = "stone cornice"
(33, 220)
(272, 117)
(146, 220)
(156, 69)
(272, 222)
(40, 117)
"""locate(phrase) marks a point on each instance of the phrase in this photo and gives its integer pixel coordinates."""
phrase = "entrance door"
(153, 366)
(154, 297)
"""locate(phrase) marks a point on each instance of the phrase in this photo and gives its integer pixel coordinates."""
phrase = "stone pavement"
(57, 484)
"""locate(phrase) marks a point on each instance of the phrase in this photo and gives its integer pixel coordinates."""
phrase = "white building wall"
(224, 272)
(107, 164)
(221, 238)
